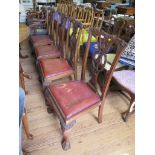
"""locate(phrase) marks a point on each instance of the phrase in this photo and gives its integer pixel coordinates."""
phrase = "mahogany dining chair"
(69, 100)
(66, 66)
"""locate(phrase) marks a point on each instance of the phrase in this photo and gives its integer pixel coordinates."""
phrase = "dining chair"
(124, 80)
(42, 27)
(69, 100)
(36, 19)
(40, 40)
(53, 51)
(128, 30)
(126, 61)
(32, 16)
(54, 69)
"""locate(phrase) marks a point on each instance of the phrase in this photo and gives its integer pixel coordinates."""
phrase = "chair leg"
(65, 141)
(26, 127)
(130, 109)
(66, 129)
(46, 83)
(100, 113)
(49, 107)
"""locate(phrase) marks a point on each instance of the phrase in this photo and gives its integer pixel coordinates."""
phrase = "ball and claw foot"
(65, 145)
(49, 110)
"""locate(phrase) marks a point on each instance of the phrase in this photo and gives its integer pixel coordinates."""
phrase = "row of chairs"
(56, 57)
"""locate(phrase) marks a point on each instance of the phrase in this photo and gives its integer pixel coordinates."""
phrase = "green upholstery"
(110, 58)
(85, 38)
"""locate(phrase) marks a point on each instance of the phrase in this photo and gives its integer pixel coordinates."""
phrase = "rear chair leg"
(49, 106)
(100, 113)
(126, 113)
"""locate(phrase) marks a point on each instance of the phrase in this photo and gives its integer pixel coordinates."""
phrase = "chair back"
(128, 30)
(80, 13)
(98, 63)
(71, 10)
(74, 43)
(64, 9)
(98, 18)
(119, 24)
(59, 7)
(88, 16)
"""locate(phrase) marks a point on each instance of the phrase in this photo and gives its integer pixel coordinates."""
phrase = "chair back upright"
(50, 22)
(98, 18)
(98, 64)
(61, 34)
(56, 26)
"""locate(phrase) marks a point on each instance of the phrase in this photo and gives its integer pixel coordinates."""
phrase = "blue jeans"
(21, 104)
(21, 111)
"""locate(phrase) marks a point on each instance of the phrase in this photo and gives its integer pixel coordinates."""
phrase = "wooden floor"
(112, 137)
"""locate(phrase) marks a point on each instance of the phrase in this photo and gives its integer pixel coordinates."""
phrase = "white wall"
(22, 13)
(78, 1)
(28, 4)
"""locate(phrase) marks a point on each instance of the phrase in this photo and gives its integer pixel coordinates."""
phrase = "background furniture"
(125, 81)
(23, 35)
(126, 10)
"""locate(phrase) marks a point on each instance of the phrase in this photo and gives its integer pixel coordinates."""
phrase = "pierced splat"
(72, 56)
(97, 65)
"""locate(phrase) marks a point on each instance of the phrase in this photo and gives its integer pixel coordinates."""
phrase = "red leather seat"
(40, 40)
(55, 67)
(73, 97)
(47, 51)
